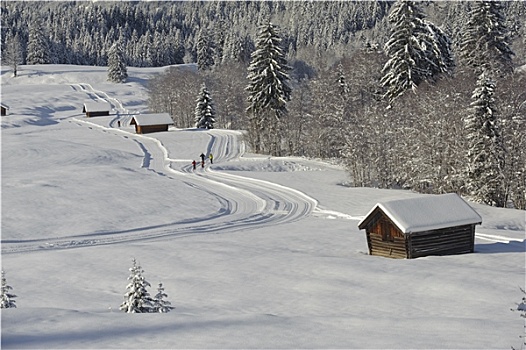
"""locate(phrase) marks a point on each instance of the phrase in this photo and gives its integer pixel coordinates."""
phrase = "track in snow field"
(245, 203)
(99, 96)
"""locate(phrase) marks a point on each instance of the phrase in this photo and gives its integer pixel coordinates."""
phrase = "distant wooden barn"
(96, 109)
(3, 109)
(146, 123)
(412, 228)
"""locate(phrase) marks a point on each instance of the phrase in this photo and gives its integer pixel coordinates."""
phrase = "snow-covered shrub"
(7, 299)
(521, 307)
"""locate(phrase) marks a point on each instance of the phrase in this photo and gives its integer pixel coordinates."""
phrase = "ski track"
(245, 203)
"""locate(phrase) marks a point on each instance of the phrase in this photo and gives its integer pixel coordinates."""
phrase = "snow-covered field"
(253, 252)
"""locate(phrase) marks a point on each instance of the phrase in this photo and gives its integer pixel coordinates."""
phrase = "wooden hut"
(146, 123)
(96, 109)
(3, 109)
(416, 227)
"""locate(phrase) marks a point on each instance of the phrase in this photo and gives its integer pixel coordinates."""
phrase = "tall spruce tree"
(268, 91)
(38, 44)
(117, 71)
(7, 300)
(204, 110)
(417, 50)
(486, 44)
(484, 180)
(205, 51)
(440, 55)
(137, 298)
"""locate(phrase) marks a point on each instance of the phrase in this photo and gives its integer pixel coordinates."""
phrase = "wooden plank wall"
(390, 249)
(452, 240)
(145, 129)
(385, 239)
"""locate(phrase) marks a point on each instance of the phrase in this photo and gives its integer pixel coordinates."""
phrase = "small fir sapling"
(137, 299)
(159, 303)
(7, 299)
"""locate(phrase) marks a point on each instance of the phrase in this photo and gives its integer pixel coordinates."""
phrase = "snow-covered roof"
(427, 213)
(96, 106)
(153, 119)
(4, 105)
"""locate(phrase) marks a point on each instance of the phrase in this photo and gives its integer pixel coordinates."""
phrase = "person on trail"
(119, 123)
(211, 158)
(202, 158)
(194, 163)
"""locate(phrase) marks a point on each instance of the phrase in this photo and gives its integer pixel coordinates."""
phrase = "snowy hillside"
(253, 252)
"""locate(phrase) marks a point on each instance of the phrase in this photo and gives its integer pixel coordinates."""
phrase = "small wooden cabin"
(3, 109)
(96, 109)
(416, 227)
(146, 123)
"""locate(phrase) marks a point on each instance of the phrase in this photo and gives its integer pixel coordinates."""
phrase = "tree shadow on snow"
(44, 117)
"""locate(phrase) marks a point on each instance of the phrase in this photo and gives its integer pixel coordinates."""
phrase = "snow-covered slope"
(254, 252)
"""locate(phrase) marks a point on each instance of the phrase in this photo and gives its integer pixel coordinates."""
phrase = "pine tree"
(160, 305)
(117, 71)
(268, 91)
(485, 182)
(417, 50)
(38, 45)
(137, 299)
(440, 53)
(205, 51)
(486, 44)
(205, 110)
(7, 300)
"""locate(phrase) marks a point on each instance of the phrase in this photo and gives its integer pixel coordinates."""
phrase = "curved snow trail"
(123, 114)
(99, 95)
(245, 202)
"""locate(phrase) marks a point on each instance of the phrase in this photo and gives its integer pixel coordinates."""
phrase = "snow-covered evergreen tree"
(38, 44)
(159, 303)
(416, 49)
(268, 91)
(440, 54)
(486, 43)
(484, 180)
(204, 110)
(117, 71)
(205, 51)
(7, 299)
(137, 299)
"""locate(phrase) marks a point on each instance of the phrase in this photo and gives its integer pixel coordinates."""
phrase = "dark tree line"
(170, 32)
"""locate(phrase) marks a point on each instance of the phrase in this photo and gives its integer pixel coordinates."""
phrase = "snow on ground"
(254, 252)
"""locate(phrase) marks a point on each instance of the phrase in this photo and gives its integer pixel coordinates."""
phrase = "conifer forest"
(428, 96)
